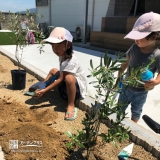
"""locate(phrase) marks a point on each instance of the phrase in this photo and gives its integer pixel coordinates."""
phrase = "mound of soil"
(32, 129)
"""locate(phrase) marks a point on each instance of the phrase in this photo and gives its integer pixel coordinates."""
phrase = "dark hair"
(153, 35)
(69, 51)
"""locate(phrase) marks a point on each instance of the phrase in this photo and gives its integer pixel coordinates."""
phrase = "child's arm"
(123, 67)
(40, 93)
(158, 77)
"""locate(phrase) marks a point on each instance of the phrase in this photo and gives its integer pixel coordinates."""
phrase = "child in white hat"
(145, 32)
(71, 80)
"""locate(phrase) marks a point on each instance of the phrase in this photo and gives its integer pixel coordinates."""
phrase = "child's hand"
(39, 93)
(151, 83)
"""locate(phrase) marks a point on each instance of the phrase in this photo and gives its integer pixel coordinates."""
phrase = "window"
(41, 2)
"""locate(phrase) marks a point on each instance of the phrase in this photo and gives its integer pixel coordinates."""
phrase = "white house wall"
(42, 11)
(70, 13)
(101, 7)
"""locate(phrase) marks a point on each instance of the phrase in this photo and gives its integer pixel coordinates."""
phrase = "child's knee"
(69, 79)
(53, 71)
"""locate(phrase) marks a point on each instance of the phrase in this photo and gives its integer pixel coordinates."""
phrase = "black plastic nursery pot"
(18, 79)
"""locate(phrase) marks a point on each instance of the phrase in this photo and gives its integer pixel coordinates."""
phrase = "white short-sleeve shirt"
(73, 66)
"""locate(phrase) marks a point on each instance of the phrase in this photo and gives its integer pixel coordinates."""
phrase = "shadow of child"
(50, 99)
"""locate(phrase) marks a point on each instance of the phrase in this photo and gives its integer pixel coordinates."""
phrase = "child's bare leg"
(135, 120)
(70, 81)
(52, 72)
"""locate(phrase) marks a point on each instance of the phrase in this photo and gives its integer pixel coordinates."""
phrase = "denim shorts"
(63, 91)
(136, 99)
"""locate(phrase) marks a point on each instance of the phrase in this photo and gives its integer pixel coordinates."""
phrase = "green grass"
(7, 38)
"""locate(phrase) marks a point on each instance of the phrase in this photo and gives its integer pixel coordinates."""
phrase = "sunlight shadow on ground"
(50, 99)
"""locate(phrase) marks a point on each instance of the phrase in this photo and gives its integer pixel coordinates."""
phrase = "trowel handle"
(151, 123)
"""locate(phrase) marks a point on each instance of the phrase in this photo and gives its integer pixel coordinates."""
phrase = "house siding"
(71, 13)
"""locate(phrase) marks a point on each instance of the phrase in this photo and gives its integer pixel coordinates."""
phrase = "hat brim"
(53, 40)
(136, 35)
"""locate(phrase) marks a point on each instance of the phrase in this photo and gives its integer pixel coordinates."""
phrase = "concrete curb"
(139, 135)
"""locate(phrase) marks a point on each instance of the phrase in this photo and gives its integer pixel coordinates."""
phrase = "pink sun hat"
(145, 24)
(58, 35)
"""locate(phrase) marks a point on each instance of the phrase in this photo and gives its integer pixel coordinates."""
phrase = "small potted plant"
(24, 27)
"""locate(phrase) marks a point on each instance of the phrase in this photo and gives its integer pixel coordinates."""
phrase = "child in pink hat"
(145, 32)
(71, 79)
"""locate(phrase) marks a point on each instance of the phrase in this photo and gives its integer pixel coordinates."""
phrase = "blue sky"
(16, 5)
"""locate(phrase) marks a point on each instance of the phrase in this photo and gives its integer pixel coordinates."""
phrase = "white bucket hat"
(145, 24)
(58, 35)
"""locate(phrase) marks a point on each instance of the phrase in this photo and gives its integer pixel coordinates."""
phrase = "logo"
(14, 145)
(30, 144)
